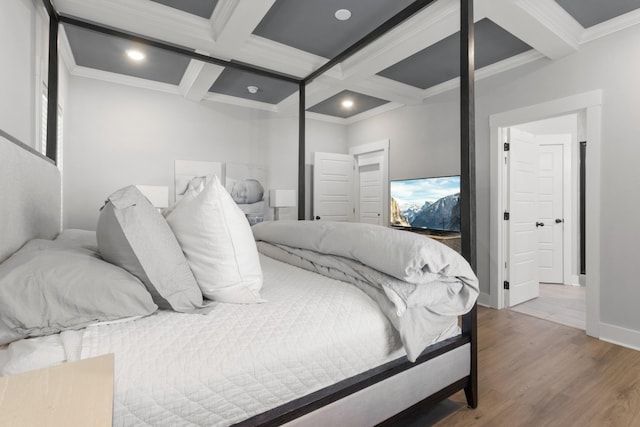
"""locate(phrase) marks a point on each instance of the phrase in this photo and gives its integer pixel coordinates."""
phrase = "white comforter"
(420, 284)
(241, 360)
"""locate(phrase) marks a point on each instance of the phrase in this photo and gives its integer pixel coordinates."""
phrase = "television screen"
(428, 203)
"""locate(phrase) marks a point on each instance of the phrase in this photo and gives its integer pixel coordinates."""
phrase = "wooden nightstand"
(72, 394)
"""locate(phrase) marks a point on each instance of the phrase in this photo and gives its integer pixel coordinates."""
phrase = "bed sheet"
(241, 360)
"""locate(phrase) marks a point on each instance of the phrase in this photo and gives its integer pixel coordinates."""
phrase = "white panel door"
(523, 200)
(332, 187)
(550, 210)
(370, 207)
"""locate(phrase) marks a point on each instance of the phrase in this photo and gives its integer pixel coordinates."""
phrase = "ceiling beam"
(542, 24)
(375, 34)
(198, 79)
(233, 22)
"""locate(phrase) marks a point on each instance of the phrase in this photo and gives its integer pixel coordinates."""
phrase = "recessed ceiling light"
(253, 89)
(134, 54)
(343, 14)
(347, 103)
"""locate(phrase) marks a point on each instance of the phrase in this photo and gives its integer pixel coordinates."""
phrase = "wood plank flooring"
(558, 303)
(533, 372)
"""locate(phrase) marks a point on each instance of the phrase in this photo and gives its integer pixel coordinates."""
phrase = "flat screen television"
(426, 203)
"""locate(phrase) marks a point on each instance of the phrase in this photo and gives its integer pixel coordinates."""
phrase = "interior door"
(523, 202)
(333, 187)
(370, 190)
(550, 213)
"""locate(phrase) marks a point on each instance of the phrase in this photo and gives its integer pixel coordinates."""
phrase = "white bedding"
(241, 360)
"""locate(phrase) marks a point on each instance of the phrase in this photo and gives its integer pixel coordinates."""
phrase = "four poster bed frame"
(300, 411)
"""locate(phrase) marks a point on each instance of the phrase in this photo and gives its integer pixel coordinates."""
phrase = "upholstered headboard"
(30, 205)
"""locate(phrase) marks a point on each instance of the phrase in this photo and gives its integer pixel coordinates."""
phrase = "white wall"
(18, 74)
(118, 135)
(611, 64)
(283, 153)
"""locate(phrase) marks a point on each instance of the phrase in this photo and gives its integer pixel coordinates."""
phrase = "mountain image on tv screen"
(430, 203)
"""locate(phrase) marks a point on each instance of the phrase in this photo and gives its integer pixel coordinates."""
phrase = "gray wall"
(611, 64)
(117, 135)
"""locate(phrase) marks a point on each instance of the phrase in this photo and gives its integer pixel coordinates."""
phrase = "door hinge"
(506, 216)
(506, 285)
(507, 146)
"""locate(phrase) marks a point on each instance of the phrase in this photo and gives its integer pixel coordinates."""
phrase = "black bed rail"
(309, 403)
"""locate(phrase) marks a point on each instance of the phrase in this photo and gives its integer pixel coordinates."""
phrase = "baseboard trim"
(484, 299)
(621, 336)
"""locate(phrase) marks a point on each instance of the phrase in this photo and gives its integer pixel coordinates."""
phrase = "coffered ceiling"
(407, 65)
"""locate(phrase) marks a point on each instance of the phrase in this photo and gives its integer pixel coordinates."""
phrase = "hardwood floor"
(558, 303)
(533, 372)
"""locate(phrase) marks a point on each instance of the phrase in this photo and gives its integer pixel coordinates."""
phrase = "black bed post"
(468, 178)
(52, 85)
(301, 152)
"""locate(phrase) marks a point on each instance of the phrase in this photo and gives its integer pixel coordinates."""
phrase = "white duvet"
(241, 360)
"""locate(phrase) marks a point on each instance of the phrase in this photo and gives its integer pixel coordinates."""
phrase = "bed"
(321, 385)
(321, 349)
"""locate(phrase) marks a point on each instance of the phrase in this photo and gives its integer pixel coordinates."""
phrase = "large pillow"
(217, 241)
(135, 236)
(45, 289)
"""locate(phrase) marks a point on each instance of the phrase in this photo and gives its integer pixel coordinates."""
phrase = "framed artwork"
(248, 188)
(245, 183)
(195, 173)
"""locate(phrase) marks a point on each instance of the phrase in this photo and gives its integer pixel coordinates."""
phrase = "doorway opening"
(587, 108)
(542, 194)
(352, 187)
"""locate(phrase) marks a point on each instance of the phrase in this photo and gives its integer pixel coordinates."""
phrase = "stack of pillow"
(204, 247)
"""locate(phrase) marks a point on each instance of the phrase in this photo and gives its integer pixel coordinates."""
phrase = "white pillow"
(217, 241)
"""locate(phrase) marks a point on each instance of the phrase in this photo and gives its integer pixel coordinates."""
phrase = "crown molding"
(279, 57)
(106, 76)
(373, 112)
(353, 119)
(147, 18)
(488, 71)
(611, 26)
(240, 102)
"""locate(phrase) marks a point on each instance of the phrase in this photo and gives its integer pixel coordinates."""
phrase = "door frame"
(381, 147)
(591, 104)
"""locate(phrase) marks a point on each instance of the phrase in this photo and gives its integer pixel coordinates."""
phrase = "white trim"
(147, 18)
(324, 118)
(389, 106)
(620, 336)
(611, 26)
(557, 20)
(488, 71)
(591, 101)
(484, 299)
(545, 110)
(240, 102)
(382, 147)
(107, 76)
